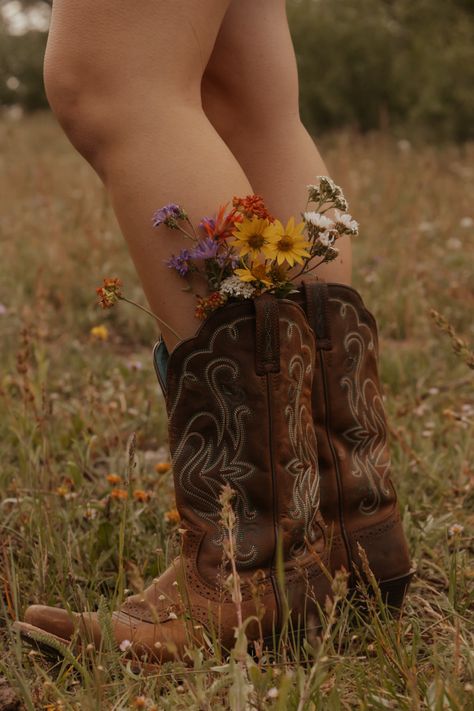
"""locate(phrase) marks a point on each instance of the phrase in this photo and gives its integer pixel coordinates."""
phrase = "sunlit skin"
(192, 106)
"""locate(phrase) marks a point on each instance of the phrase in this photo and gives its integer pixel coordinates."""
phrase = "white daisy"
(316, 219)
(345, 223)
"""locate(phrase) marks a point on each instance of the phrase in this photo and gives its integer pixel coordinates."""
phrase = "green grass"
(70, 404)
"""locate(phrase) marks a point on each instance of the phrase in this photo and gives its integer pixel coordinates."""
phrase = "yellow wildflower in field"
(172, 516)
(162, 467)
(113, 479)
(100, 333)
(62, 490)
(291, 245)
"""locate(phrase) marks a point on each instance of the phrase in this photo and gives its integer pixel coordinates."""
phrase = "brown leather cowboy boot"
(358, 500)
(238, 397)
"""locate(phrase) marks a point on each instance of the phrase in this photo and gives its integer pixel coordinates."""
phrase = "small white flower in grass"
(161, 597)
(316, 219)
(124, 645)
(454, 243)
(233, 286)
(345, 223)
(172, 616)
(456, 530)
(466, 222)
(272, 693)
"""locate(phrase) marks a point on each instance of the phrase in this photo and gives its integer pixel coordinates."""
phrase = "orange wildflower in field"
(141, 495)
(162, 467)
(172, 516)
(119, 494)
(113, 479)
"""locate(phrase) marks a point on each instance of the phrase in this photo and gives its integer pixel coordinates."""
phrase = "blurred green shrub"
(366, 64)
(21, 69)
(372, 63)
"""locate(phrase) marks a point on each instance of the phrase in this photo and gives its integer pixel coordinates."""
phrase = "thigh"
(122, 45)
(253, 60)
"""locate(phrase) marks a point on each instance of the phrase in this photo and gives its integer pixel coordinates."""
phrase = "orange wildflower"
(220, 227)
(162, 467)
(119, 494)
(109, 293)
(141, 495)
(113, 479)
(208, 304)
(252, 206)
(172, 516)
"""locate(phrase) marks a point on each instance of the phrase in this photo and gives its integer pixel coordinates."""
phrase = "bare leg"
(124, 80)
(250, 94)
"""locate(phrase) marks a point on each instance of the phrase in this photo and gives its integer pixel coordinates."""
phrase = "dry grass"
(70, 402)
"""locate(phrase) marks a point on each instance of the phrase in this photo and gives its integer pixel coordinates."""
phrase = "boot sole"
(392, 593)
(394, 590)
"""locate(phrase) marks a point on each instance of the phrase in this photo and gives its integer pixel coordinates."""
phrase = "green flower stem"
(187, 234)
(150, 313)
(192, 227)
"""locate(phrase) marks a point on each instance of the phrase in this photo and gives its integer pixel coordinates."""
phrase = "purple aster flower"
(205, 249)
(169, 216)
(179, 262)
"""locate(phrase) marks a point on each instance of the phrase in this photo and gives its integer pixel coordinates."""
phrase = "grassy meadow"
(80, 403)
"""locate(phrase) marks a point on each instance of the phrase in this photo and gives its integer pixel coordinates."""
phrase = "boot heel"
(393, 591)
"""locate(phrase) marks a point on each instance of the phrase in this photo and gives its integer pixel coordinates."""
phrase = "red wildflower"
(221, 226)
(252, 206)
(109, 293)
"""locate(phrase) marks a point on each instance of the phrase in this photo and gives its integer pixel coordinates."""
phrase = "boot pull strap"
(317, 308)
(267, 325)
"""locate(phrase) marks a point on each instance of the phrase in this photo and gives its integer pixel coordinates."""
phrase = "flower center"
(285, 244)
(256, 241)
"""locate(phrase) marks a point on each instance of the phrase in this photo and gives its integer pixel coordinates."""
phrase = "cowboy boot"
(358, 499)
(238, 397)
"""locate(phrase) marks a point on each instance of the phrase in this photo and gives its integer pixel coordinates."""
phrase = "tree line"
(406, 65)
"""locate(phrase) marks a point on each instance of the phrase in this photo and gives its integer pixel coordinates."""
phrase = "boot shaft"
(238, 396)
(358, 500)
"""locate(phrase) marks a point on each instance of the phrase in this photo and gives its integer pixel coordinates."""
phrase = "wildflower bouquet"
(245, 251)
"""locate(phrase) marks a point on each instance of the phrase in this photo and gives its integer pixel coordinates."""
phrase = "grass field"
(70, 402)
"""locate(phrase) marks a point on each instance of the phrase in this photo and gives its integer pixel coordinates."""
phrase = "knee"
(76, 102)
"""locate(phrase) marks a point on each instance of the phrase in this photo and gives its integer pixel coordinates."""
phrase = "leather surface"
(358, 500)
(238, 397)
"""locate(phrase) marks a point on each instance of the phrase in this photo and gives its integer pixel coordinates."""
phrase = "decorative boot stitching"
(368, 435)
(303, 467)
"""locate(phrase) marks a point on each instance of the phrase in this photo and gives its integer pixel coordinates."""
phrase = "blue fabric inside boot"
(160, 360)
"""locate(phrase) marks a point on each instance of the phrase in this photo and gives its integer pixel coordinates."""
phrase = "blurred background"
(365, 64)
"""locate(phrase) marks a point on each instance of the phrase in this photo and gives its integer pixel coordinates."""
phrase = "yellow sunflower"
(289, 244)
(255, 237)
(257, 272)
